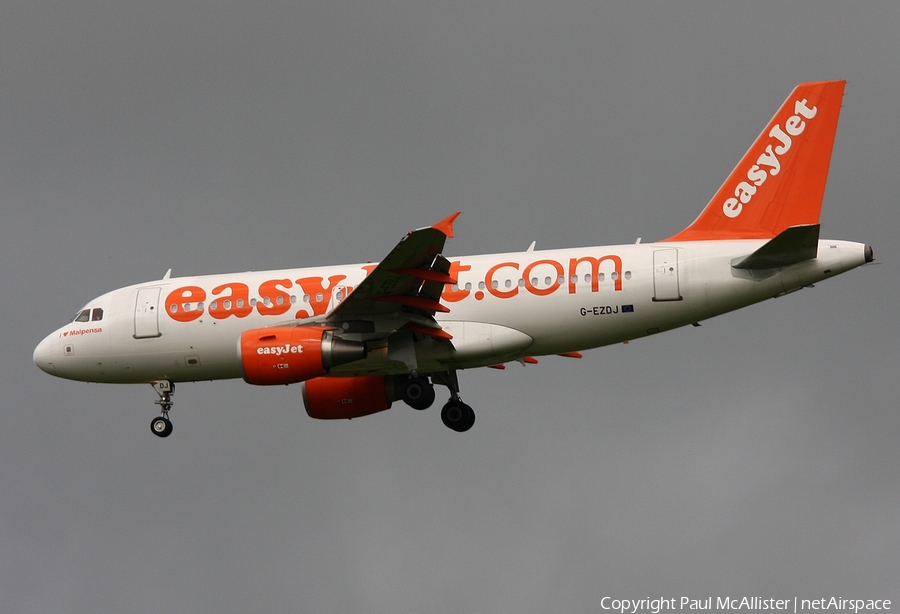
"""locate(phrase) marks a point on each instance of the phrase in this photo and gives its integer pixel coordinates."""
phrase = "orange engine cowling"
(292, 354)
(335, 398)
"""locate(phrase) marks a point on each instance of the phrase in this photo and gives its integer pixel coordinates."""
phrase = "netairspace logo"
(794, 604)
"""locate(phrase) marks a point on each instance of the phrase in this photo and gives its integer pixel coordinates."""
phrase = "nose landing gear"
(162, 426)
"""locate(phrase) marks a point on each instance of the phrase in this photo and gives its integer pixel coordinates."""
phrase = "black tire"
(457, 416)
(418, 393)
(161, 427)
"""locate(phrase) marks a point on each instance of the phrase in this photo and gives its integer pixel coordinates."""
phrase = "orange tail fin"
(780, 181)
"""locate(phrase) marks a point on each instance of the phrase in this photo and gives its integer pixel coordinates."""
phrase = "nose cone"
(43, 355)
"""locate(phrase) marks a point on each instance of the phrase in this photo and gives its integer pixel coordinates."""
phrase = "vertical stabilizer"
(780, 181)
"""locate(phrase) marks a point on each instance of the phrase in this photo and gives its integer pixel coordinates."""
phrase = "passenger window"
(97, 314)
(84, 316)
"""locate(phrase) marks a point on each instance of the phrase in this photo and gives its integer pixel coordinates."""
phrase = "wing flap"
(409, 280)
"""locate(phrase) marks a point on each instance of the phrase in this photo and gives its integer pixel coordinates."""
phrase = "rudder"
(780, 181)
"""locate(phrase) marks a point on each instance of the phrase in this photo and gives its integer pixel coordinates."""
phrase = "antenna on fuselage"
(168, 274)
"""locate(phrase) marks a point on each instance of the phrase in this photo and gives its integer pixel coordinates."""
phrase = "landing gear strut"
(162, 426)
(455, 414)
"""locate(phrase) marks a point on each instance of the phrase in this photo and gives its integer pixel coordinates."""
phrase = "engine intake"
(288, 355)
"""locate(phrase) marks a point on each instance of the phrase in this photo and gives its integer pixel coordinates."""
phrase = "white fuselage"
(505, 307)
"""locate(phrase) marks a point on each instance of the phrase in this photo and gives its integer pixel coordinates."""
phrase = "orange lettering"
(552, 287)
(489, 281)
(595, 271)
(270, 290)
(235, 304)
(449, 294)
(318, 297)
(188, 294)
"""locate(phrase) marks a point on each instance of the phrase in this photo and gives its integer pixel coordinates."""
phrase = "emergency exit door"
(665, 275)
(146, 313)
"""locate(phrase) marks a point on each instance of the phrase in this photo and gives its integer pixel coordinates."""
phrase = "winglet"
(446, 225)
(780, 181)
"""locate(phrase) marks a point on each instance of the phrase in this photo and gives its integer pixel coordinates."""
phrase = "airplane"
(359, 337)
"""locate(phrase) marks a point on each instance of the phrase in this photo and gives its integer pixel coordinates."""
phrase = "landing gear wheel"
(161, 426)
(457, 416)
(418, 393)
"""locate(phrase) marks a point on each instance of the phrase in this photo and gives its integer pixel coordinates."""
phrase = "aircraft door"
(146, 313)
(338, 294)
(665, 275)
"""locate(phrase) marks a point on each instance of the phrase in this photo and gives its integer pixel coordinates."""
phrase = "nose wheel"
(162, 426)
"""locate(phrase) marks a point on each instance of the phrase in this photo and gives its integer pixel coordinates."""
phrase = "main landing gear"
(418, 393)
(457, 415)
(162, 426)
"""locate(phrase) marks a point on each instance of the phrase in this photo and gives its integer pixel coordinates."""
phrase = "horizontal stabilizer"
(793, 245)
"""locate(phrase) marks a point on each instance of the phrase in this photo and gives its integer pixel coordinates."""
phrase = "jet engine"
(335, 398)
(291, 354)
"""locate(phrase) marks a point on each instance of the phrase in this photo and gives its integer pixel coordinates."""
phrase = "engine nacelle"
(335, 398)
(291, 354)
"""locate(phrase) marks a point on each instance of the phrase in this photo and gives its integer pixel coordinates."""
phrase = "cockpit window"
(96, 314)
(84, 316)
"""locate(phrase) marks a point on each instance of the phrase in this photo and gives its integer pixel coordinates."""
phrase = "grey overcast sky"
(755, 455)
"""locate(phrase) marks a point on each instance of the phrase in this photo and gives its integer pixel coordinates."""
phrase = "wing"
(404, 290)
